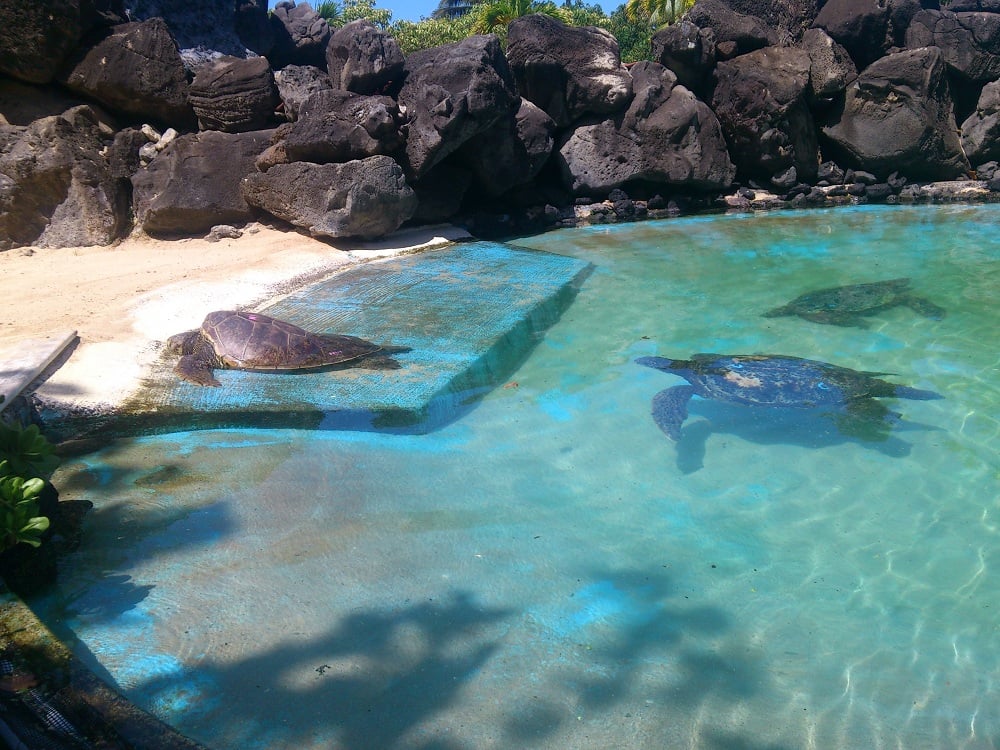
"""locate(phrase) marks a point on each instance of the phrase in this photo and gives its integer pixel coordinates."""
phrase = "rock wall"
(171, 117)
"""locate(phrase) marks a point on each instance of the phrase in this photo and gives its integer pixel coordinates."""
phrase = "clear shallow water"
(550, 571)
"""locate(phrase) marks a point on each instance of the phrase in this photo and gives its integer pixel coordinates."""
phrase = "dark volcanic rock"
(830, 68)
(363, 59)
(761, 101)
(234, 95)
(300, 35)
(898, 117)
(567, 71)
(513, 151)
(136, 70)
(35, 37)
(735, 33)
(688, 51)
(440, 192)
(296, 83)
(969, 42)
(202, 30)
(253, 26)
(56, 186)
(367, 198)
(188, 188)
(789, 18)
(450, 94)
(981, 131)
(666, 136)
(867, 28)
(337, 126)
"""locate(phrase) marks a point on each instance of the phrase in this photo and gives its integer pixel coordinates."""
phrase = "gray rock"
(253, 26)
(234, 95)
(338, 126)
(735, 33)
(203, 30)
(188, 188)
(567, 71)
(666, 136)
(37, 36)
(135, 70)
(981, 131)
(867, 29)
(761, 101)
(300, 35)
(688, 52)
(367, 198)
(789, 18)
(223, 232)
(969, 42)
(363, 59)
(513, 151)
(296, 83)
(57, 189)
(450, 94)
(898, 116)
(440, 193)
(830, 68)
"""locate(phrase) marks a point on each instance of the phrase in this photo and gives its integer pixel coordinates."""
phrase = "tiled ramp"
(470, 313)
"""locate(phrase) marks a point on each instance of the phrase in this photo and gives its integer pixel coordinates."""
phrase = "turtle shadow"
(814, 429)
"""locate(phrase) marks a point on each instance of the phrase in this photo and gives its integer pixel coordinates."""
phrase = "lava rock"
(363, 59)
(234, 95)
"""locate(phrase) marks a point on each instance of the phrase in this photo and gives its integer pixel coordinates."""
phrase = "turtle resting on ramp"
(848, 305)
(250, 341)
(770, 380)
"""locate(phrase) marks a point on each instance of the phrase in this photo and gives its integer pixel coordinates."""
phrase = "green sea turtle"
(237, 340)
(848, 305)
(770, 380)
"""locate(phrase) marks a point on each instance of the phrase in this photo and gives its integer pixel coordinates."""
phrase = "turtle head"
(183, 343)
(657, 363)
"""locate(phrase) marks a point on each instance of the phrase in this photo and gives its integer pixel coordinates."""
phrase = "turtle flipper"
(670, 409)
(924, 307)
(196, 369)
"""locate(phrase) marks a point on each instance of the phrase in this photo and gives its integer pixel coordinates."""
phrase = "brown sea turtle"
(771, 380)
(237, 340)
(849, 305)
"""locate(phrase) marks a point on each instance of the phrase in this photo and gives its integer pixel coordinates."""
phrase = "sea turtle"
(237, 340)
(848, 305)
(770, 380)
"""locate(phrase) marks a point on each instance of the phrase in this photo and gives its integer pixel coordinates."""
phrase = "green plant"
(27, 451)
(657, 12)
(330, 11)
(19, 519)
(493, 16)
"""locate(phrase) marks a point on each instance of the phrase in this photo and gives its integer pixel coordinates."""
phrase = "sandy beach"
(123, 300)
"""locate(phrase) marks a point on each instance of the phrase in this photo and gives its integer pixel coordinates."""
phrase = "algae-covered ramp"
(470, 314)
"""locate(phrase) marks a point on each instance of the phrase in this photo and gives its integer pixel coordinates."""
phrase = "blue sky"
(414, 10)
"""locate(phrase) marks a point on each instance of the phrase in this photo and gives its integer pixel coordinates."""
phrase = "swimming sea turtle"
(847, 305)
(770, 380)
(237, 340)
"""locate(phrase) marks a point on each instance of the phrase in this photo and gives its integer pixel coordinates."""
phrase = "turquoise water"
(549, 571)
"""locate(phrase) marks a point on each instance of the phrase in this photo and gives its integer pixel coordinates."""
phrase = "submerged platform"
(470, 314)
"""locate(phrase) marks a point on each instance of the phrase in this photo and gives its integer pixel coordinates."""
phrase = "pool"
(549, 570)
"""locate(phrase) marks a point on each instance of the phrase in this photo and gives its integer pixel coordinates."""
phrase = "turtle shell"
(251, 341)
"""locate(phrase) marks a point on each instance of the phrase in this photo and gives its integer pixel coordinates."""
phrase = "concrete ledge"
(21, 362)
(470, 313)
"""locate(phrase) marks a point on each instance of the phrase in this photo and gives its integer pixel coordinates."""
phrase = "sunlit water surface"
(549, 571)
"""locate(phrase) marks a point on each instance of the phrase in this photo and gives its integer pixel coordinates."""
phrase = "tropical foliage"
(26, 461)
(657, 12)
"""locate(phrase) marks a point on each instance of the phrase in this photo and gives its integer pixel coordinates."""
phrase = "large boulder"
(969, 42)
(567, 71)
(450, 94)
(300, 35)
(363, 59)
(830, 67)
(867, 29)
(981, 131)
(296, 83)
(666, 136)
(897, 117)
(206, 29)
(367, 198)
(56, 185)
(37, 36)
(253, 26)
(136, 70)
(789, 18)
(513, 151)
(688, 51)
(194, 183)
(761, 99)
(234, 94)
(735, 33)
(338, 126)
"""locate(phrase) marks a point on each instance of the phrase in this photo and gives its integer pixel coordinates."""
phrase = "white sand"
(126, 299)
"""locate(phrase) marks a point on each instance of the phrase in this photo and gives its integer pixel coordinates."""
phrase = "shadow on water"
(806, 428)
